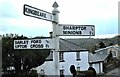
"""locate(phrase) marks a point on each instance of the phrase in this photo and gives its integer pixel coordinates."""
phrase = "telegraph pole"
(55, 23)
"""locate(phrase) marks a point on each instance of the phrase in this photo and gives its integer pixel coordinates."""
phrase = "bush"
(33, 73)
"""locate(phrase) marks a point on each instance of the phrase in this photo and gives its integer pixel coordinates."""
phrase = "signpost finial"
(55, 5)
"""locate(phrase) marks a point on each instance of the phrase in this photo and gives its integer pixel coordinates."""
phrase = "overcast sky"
(101, 13)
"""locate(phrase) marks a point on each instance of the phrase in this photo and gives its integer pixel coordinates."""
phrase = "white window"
(62, 72)
(78, 68)
(77, 55)
(61, 56)
(114, 54)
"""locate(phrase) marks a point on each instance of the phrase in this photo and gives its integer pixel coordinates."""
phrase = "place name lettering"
(21, 46)
(37, 46)
(35, 12)
(74, 27)
(21, 42)
(36, 41)
(72, 32)
(31, 44)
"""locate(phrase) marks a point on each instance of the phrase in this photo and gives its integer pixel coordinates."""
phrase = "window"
(78, 68)
(62, 72)
(114, 54)
(61, 56)
(78, 56)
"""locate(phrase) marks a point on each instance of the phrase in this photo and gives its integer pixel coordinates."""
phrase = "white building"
(70, 54)
(98, 59)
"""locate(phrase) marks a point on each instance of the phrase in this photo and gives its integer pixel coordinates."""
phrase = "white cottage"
(98, 59)
(70, 54)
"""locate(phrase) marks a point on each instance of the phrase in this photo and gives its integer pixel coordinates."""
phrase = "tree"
(22, 60)
(95, 47)
(101, 45)
(110, 56)
(111, 44)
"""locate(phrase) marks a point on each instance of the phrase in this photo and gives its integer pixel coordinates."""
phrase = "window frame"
(61, 57)
(78, 56)
(61, 71)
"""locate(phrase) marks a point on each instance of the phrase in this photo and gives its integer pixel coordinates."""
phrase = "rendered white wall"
(84, 65)
(48, 68)
(98, 67)
(70, 59)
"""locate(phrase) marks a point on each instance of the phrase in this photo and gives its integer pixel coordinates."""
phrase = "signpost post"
(55, 37)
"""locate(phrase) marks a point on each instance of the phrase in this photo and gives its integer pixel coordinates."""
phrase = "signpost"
(37, 13)
(58, 30)
(76, 30)
(34, 44)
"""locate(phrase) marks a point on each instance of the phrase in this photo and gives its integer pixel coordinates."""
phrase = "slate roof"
(66, 45)
(100, 54)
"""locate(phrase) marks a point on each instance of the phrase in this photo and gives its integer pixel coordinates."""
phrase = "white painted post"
(0, 56)
(55, 37)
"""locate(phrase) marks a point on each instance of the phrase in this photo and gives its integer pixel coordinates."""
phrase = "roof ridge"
(103, 48)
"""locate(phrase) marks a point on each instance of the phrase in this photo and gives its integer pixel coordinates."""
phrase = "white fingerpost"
(55, 23)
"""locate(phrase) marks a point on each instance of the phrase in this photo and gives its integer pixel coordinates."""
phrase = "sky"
(101, 13)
